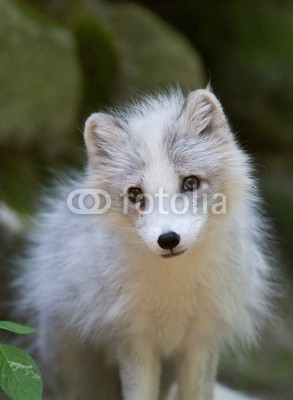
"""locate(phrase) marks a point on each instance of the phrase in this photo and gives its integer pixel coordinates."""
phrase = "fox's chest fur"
(162, 300)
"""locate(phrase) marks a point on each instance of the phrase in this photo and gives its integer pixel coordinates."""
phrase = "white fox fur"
(105, 298)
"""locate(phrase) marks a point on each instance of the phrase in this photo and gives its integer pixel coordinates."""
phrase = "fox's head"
(171, 167)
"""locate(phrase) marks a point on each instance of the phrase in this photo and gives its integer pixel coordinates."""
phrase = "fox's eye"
(190, 183)
(134, 194)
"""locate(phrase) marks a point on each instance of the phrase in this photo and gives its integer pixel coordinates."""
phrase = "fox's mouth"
(172, 254)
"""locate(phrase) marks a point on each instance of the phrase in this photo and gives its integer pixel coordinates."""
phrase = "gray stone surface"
(151, 53)
(39, 78)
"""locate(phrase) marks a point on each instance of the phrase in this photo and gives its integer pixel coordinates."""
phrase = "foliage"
(20, 378)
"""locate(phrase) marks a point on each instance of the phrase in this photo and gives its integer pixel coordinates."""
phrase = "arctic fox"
(144, 267)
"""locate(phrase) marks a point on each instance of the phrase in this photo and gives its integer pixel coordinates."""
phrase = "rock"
(39, 78)
(151, 53)
(95, 46)
(142, 52)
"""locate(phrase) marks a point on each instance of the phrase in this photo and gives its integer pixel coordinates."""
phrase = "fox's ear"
(202, 108)
(100, 134)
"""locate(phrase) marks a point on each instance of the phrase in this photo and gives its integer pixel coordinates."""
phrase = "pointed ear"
(100, 134)
(202, 108)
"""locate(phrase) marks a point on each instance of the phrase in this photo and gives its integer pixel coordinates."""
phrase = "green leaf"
(16, 328)
(20, 378)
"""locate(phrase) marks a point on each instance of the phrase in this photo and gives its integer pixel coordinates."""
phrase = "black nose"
(169, 240)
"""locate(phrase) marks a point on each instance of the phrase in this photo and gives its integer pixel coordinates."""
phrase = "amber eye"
(190, 183)
(134, 194)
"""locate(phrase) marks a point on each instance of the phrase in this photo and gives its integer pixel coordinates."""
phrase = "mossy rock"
(96, 50)
(40, 78)
(127, 50)
(152, 54)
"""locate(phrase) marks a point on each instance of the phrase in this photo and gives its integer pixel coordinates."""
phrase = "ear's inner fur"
(101, 132)
(202, 109)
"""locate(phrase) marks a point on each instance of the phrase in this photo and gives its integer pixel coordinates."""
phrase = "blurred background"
(61, 60)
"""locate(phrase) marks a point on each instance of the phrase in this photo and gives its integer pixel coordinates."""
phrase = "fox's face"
(171, 168)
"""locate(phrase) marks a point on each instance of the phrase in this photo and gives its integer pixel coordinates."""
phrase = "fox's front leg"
(196, 374)
(139, 370)
(197, 366)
